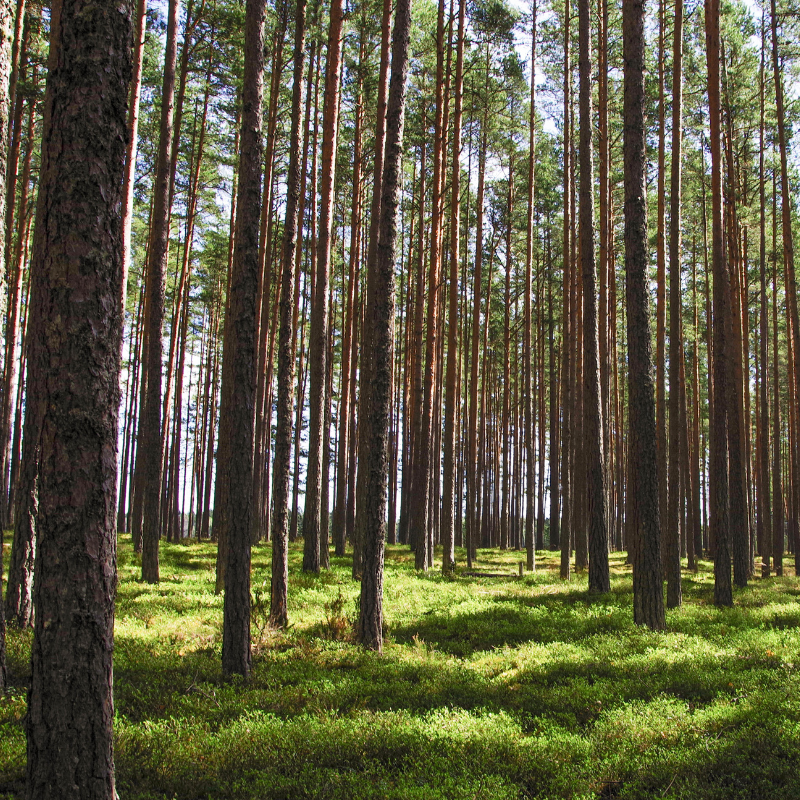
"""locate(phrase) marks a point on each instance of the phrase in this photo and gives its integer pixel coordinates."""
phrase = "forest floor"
(487, 688)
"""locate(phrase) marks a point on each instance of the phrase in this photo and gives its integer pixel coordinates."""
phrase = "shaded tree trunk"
(318, 343)
(371, 606)
(149, 453)
(719, 448)
(283, 433)
(597, 518)
(648, 599)
(73, 375)
(672, 556)
(236, 420)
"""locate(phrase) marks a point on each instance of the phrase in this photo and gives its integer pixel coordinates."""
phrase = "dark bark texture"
(599, 577)
(73, 371)
(283, 433)
(237, 416)
(371, 608)
(648, 598)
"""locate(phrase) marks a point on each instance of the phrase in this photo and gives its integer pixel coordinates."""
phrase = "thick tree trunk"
(648, 599)
(73, 376)
(371, 606)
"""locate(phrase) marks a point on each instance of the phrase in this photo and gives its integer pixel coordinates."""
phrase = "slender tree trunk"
(787, 240)
(371, 606)
(661, 285)
(567, 330)
(777, 474)
(764, 506)
(318, 342)
(527, 368)
(452, 490)
(78, 268)
(719, 450)
(672, 556)
(648, 599)
(283, 433)
(149, 453)
(345, 433)
(6, 66)
(133, 138)
(597, 518)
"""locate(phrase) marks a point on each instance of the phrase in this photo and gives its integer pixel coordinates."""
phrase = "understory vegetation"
(487, 688)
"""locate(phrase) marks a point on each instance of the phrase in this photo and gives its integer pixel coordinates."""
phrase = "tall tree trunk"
(567, 330)
(764, 505)
(77, 263)
(422, 462)
(786, 230)
(6, 17)
(318, 343)
(648, 598)
(149, 453)
(672, 556)
(597, 518)
(527, 349)
(133, 138)
(777, 475)
(371, 606)
(507, 444)
(719, 449)
(345, 433)
(452, 491)
(236, 420)
(366, 375)
(661, 283)
(283, 433)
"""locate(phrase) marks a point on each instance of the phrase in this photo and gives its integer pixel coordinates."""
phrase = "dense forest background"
(488, 428)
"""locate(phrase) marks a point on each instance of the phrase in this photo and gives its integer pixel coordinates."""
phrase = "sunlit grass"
(487, 688)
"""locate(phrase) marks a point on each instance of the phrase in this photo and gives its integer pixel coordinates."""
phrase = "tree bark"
(648, 599)
(451, 400)
(237, 421)
(599, 577)
(149, 453)
(719, 450)
(318, 344)
(673, 545)
(371, 607)
(73, 378)
(527, 349)
(283, 433)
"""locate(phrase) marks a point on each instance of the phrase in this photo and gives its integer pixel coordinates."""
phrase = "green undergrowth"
(487, 688)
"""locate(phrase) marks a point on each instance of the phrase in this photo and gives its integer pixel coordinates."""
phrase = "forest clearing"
(487, 688)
